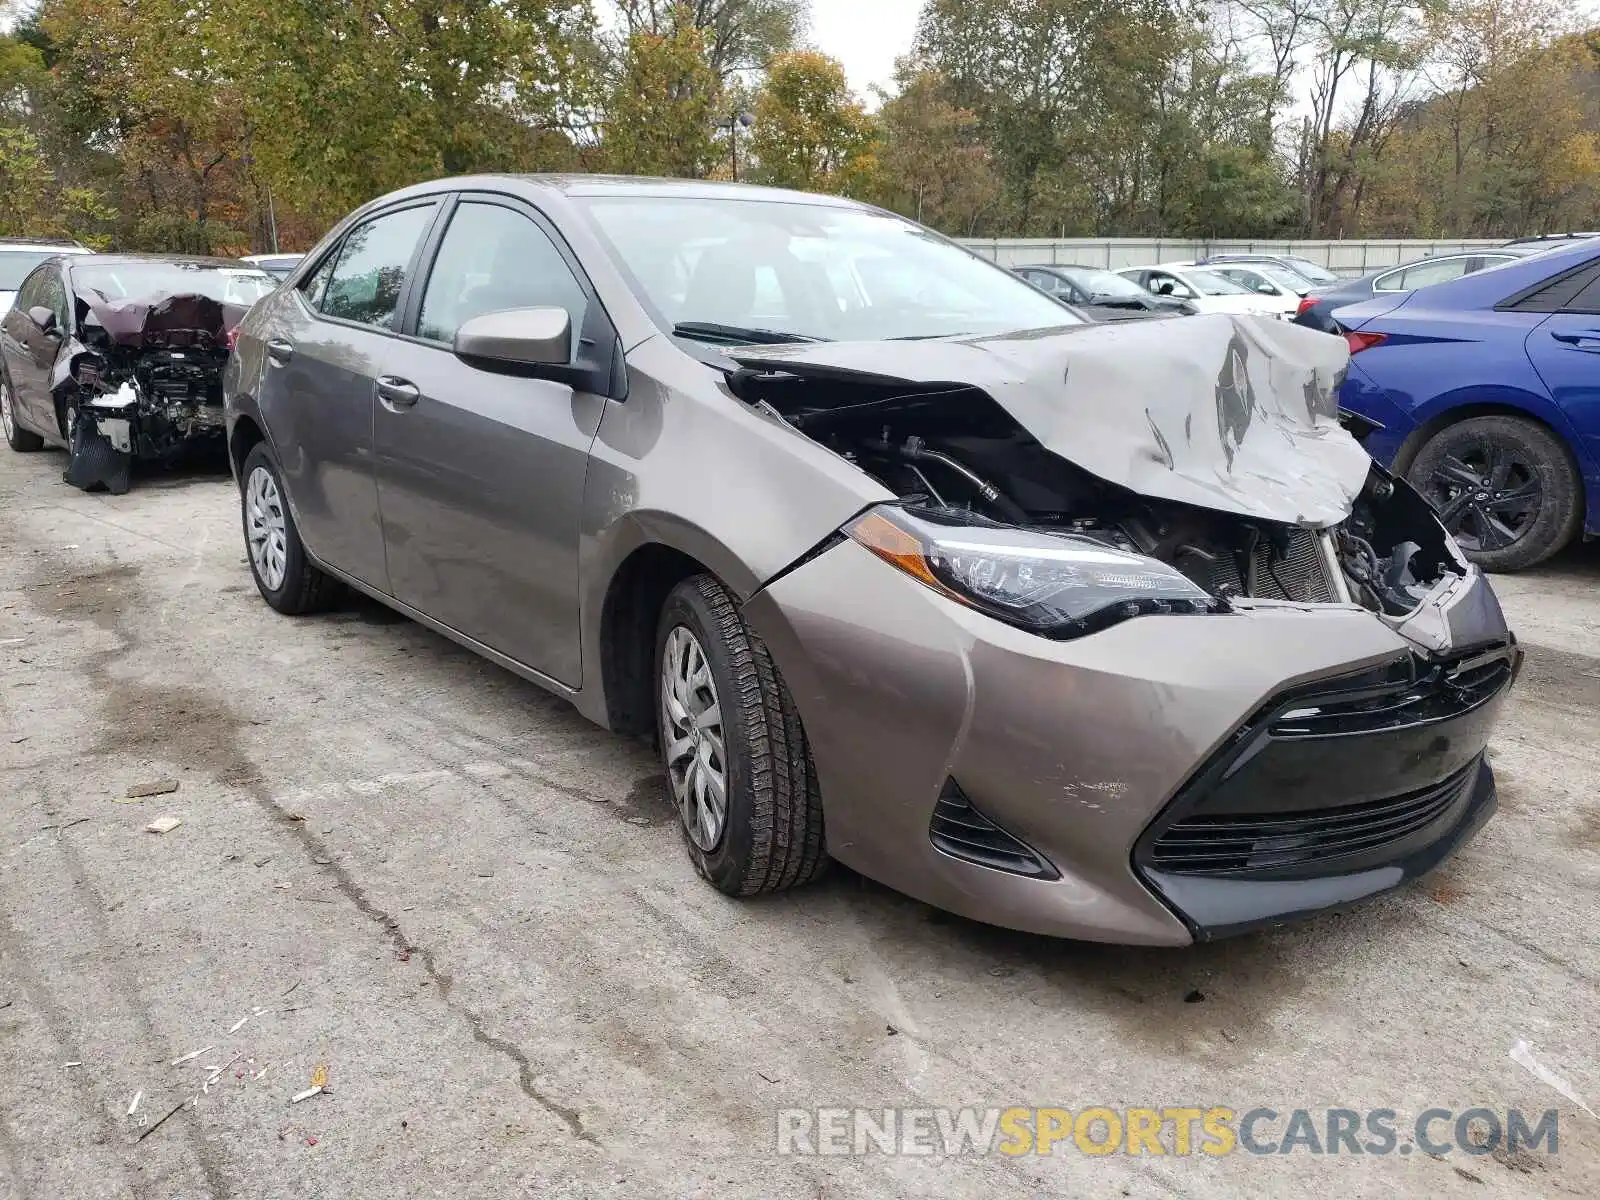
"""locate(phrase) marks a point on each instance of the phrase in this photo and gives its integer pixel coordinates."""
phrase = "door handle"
(396, 392)
(1588, 340)
(280, 350)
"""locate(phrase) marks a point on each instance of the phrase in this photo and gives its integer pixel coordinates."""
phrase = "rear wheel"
(284, 575)
(736, 757)
(1505, 488)
(17, 438)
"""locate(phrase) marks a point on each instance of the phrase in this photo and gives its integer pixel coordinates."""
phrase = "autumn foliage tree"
(661, 114)
(810, 132)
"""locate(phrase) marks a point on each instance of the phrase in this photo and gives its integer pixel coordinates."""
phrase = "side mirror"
(517, 337)
(43, 317)
(1266, 289)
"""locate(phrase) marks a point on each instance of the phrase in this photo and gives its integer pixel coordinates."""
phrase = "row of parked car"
(1479, 371)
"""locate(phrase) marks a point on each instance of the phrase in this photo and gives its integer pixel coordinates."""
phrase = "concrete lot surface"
(472, 908)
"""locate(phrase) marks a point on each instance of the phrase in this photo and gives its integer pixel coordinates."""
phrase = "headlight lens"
(1061, 585)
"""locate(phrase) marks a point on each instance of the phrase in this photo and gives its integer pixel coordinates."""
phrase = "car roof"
(59, 247)
(607, 186)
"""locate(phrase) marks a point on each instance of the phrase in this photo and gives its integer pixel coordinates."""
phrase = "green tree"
(810, 132)
(932, 163)
(660, 116)
(740, 35)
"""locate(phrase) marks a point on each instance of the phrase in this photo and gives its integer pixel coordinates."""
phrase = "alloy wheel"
(5, 410)
(1488, 494)
(266, 528)
(697, 760)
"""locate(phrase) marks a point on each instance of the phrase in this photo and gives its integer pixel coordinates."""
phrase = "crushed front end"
(143, 381)
(1148, 650)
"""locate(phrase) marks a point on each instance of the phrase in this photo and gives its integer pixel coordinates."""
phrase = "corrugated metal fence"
(1345, 258)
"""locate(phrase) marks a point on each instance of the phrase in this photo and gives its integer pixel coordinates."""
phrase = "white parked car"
(1266, 279)
(19, 256)
(1207, 290)
(277, 265)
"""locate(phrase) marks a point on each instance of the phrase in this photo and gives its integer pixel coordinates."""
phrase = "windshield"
(15, 265)
(1208, 283)
(815, 270)
(1316, 274)
(1104, 283)
(242, 286)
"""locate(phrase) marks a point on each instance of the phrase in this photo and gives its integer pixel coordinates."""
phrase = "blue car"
(1487, 389)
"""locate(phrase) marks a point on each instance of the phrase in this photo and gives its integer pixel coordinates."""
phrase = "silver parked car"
(1103, 631)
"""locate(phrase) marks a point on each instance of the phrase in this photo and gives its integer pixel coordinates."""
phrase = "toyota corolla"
(1111, 632)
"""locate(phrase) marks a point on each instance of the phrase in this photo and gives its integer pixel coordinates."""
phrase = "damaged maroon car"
(119, 358)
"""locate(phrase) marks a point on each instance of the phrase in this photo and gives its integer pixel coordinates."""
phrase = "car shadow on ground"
(1176, 1000)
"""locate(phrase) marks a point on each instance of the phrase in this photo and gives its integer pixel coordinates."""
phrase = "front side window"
(1168, 285)
(1105, 285)
(369, 277)
(493, 259)
(53, 295)
(822, 271)
(1248, 279)
(28, 293)
(1209, 283)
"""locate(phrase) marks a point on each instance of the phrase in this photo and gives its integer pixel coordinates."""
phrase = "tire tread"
(788, 845)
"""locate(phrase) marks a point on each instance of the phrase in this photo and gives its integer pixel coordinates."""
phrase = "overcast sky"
(866, 36)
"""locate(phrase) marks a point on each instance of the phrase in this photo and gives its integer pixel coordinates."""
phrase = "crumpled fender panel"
(1233, 413)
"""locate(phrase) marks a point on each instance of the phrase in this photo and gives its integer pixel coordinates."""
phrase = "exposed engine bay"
(952, 448)
(143, 380)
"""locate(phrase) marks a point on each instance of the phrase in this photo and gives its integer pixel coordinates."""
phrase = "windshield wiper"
(737, 335)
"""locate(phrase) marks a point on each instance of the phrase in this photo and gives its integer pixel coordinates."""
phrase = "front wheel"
(19, 439)
(736, 757)
(284, 575)
(1505, 488)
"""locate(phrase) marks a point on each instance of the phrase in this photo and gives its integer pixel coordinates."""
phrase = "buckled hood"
(1233, 413)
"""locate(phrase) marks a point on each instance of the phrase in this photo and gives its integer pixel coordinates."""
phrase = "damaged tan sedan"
(1107, 632)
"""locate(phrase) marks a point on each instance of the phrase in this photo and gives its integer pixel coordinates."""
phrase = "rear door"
(1565, 351)
(480, 473)
(325, 347)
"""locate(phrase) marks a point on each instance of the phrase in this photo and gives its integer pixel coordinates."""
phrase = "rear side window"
(1558, 294)
(1427, 273)
(369, 276)
(493, 259)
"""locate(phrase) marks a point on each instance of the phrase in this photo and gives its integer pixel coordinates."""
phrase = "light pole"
(736, 122)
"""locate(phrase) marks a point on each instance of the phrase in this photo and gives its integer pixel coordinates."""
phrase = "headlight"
(1058, 585)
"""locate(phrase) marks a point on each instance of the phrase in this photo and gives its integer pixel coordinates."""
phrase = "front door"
(325, 349)
(480, 474)
(30, 352)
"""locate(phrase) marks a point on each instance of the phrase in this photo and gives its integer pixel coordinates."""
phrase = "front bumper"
(1089, 753)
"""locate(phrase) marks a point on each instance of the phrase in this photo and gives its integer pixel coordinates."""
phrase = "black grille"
(961, 831)
(1396, 696)
(1256, 843)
